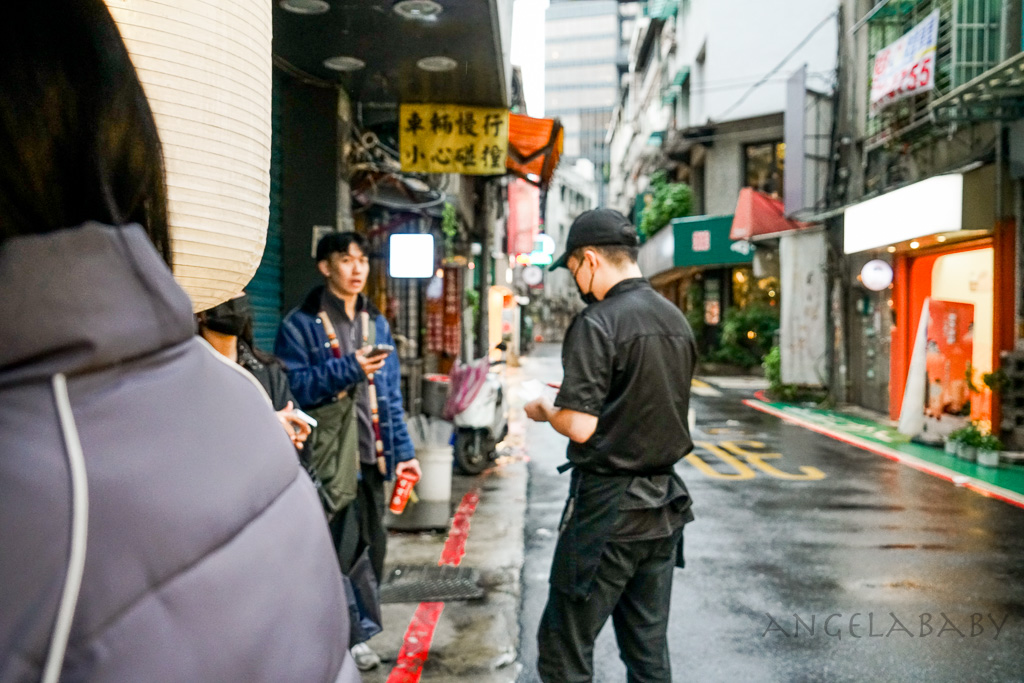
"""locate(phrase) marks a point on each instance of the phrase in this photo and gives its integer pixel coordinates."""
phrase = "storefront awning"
(534, 147)
(759, 216)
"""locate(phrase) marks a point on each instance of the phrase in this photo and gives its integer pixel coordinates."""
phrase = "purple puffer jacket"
(206, 555)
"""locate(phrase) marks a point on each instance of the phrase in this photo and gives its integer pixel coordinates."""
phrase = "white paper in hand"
(531, 390)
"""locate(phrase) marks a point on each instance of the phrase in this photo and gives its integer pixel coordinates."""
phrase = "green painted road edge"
(1004, 483)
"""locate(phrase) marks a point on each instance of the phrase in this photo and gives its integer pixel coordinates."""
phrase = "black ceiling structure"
(390, 45)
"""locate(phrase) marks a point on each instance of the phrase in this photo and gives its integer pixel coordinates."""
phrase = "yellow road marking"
(742, 471)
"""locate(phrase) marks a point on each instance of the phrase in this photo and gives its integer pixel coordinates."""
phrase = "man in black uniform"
(628, 359)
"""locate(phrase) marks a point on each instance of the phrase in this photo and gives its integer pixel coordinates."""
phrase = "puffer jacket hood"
(84, 299)
(206, 553)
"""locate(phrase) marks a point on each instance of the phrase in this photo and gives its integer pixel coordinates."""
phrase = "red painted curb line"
(967, 482)
(419, 635)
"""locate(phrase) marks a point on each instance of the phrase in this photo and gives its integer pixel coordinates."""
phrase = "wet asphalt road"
(926, 580)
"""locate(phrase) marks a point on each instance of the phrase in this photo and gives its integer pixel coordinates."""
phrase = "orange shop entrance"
(978, 273)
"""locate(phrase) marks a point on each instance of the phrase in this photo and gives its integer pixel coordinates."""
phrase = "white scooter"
(482, 425)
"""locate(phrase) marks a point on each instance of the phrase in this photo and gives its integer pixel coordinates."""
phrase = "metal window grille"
(968, 44)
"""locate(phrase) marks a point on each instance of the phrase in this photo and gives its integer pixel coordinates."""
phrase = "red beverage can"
(403, 487)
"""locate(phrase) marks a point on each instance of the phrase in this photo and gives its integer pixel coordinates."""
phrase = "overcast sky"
(528, 50)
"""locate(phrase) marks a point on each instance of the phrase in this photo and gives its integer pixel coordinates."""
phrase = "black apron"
(590, 518)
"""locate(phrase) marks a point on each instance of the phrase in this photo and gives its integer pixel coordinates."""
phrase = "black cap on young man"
(597, 228)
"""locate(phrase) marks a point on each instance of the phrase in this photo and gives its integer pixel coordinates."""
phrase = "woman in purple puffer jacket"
(155, 524)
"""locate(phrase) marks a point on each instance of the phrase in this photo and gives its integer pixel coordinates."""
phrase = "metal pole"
(486, 231)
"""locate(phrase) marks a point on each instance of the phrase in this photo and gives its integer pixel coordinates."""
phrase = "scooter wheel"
(472, 454)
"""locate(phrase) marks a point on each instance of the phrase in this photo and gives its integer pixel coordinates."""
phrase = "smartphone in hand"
(380, 350)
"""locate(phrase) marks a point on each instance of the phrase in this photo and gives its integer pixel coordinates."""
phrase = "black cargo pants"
(633, 586)
(361, 524)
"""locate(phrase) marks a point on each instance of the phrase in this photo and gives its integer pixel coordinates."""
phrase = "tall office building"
(583, 54)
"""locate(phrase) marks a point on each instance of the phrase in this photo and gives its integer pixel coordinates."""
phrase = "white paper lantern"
(206, 69)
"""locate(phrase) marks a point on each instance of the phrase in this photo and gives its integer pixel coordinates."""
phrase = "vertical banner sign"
(452, 311)
(448, 138)
(523, 216)
(906, 67)
(435, 315)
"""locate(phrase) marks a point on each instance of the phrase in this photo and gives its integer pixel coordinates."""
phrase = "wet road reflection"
(813, 560)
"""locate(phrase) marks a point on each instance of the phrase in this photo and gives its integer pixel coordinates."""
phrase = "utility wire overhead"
(764, 79)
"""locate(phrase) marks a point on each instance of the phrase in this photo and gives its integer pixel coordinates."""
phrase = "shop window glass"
(763, 167)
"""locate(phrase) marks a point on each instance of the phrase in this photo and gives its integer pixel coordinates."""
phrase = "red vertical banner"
(452, 311)
(523, 216)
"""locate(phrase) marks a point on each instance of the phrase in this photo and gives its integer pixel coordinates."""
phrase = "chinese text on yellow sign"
(449, 138)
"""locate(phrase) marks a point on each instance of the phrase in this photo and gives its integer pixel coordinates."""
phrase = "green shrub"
(747, 335)
(970, 435)
(669, 200)
(990, 442)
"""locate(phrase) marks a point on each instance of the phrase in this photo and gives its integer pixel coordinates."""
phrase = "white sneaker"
(366, 658)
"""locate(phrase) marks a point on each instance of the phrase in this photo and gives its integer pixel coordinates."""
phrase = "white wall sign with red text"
(907, 66)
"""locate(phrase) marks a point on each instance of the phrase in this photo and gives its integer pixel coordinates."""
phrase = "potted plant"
(953, 441)
(967, 442)
(988, 450)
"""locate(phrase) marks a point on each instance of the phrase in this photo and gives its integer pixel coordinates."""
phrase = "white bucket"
(436, 482)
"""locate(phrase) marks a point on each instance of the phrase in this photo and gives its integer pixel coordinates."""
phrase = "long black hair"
(77, 138)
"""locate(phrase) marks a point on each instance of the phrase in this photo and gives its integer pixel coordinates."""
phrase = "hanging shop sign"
(906, 67)
(411, 255)
(449, 138)
(705, 241)
(435, 314)
(523, 216)
(451, 316)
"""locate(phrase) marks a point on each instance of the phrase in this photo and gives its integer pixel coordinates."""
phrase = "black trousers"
(361, 524)
(633, 586)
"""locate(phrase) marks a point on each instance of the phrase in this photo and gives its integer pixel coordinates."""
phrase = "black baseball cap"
(595, 228)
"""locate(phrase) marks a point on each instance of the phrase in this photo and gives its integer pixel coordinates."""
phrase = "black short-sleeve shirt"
(629, 360)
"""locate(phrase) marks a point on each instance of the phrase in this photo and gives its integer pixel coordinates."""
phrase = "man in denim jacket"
(325, 358)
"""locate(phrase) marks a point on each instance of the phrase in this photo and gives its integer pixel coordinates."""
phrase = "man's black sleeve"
(587, 356)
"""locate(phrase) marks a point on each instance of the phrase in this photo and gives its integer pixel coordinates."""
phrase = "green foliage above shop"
(668, 201)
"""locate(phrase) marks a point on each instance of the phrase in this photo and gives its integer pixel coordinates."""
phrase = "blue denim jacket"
(317, 377)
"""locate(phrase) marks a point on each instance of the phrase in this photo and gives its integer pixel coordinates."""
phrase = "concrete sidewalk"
(476, 640)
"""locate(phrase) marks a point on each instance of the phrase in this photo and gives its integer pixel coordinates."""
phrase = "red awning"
(758, 214)
(534, 146)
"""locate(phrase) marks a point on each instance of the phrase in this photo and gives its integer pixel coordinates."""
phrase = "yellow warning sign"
(451, 138)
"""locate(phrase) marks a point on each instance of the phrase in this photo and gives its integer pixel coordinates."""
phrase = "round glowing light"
(472, 266)
(915, 244)
(417, 9)
(344, 63)
(941, 238)
(876, 275)
(751, 334)
(437, 64)
(891, 250)
(305, 6)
